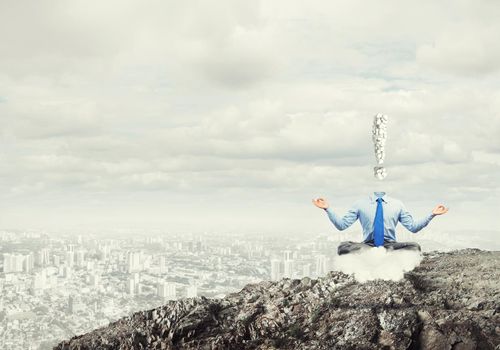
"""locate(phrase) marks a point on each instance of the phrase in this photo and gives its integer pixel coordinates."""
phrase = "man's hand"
(320, 203)
(439, 210)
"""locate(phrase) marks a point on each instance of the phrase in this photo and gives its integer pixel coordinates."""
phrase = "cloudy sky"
(233, 115)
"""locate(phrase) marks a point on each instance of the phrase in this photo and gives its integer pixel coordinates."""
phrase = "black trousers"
(350, 246)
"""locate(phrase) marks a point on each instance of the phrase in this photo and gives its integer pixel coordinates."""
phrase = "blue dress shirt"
(365, 209)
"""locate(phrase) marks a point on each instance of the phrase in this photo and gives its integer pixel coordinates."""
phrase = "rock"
(450, 301)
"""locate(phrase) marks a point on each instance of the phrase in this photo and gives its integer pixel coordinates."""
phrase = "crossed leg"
(350, 246)
(402, 245)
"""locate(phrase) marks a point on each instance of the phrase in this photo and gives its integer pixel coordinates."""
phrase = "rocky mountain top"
(450, 301)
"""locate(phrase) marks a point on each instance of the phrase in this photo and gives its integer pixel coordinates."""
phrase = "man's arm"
(340, 223)
(412, 225)
(344, 222)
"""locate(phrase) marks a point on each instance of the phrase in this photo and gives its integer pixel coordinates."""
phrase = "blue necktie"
(378, 224)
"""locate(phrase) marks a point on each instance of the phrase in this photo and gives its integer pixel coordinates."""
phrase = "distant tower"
(70, 258)
(8, 262)
(163, 264)
(39, 282)
(166, 290)
(288, 267)
(42, 257)
(134, 261)
(275, 269)
(75, 304)
(19, 264)
(287, 255)
(28, 262)
(130, 289)
(322, 265)
(80, 257)
(306, 270)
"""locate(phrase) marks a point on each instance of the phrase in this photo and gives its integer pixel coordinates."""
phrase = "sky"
(232, 115)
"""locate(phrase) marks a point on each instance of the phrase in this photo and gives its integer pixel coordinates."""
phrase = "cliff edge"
(450, 301)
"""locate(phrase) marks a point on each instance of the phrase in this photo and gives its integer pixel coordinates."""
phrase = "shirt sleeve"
(344, 222)
(406, 219)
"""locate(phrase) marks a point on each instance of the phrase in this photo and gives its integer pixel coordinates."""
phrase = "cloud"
(268, 102)
(468, 49)
(377, 263)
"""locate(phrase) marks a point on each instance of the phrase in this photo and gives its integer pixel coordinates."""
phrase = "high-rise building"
(146, 261)
(130, 289)
(322, 265)
(8, 262)
(163, 264)
(75, 304)
(42, 257)
(18, 263)
(105, 251)
(80, 257)
(287, 255)
(28, 262)
(306, 270)
(39, 282)
(166, 290)
(134, 260)
(288, 268)
(70, 258)
(275, 269)
(133, 284)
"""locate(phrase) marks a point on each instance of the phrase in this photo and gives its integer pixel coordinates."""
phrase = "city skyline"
(54, 286)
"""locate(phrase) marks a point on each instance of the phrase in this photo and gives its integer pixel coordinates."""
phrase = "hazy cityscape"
(54, 286)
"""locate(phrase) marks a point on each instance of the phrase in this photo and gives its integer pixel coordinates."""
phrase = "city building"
(75, 304)
(288, 268)
(275, 269)
(166, 290)
(134, 261)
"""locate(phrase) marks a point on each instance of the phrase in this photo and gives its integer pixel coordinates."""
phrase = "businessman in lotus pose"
(378, 214)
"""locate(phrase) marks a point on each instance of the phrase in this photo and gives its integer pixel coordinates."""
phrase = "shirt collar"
(385, 198)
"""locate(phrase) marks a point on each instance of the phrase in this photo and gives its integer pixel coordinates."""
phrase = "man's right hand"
(320, 203)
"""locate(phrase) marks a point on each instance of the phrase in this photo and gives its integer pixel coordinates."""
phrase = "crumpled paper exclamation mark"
(379, 136)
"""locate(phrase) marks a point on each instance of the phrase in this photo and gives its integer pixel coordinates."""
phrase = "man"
(378, 214)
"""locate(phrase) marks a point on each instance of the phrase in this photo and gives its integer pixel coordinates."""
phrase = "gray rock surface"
(450, 301)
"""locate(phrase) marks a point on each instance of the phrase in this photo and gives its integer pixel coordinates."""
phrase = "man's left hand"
(439, 210)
